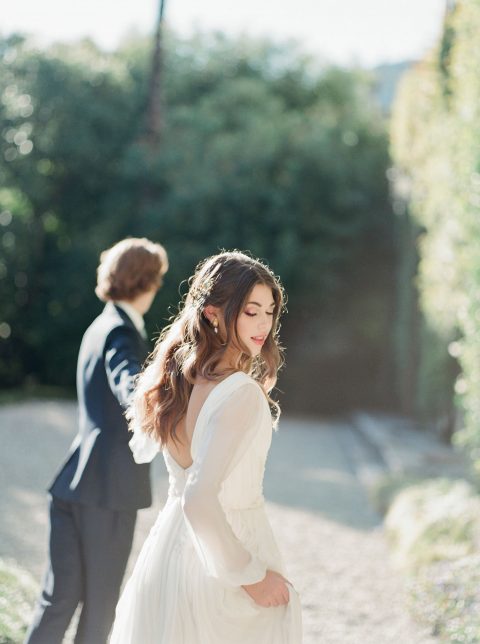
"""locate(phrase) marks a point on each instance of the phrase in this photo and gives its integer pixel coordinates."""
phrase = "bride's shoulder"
(237, 389)
(243, 389)
(241, 379)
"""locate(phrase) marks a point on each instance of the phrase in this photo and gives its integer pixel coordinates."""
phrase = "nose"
(264, 322)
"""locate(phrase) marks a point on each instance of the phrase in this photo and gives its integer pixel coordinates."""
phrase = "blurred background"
(209, 127)
(340, 142)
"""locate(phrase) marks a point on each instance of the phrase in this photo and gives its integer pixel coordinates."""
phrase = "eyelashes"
(252, 315)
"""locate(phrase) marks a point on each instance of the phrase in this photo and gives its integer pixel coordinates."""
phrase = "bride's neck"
(228, 363)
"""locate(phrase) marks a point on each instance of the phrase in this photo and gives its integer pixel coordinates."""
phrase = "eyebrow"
(258, 304)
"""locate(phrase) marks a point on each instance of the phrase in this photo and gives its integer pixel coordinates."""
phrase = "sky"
(360, 32)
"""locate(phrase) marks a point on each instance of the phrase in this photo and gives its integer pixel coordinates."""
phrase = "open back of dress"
(212, 537)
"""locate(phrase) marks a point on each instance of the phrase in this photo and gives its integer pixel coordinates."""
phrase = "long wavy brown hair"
(189, 348)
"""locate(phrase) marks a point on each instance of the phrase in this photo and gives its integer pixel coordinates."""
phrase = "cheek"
(244, 328)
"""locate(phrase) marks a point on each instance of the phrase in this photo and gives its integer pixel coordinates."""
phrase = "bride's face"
(256, 319)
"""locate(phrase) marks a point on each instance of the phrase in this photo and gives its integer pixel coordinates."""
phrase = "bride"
(210, 571)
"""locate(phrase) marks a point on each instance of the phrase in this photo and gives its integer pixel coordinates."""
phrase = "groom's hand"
(271, 591)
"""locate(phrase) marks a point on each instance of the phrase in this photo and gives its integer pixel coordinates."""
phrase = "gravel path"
(332, 539)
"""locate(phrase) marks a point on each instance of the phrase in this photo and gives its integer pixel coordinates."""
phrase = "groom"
(95, 496)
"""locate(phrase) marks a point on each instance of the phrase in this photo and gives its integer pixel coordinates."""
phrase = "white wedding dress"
(212, 536)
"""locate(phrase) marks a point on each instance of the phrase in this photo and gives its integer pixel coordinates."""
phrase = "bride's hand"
(271, 591)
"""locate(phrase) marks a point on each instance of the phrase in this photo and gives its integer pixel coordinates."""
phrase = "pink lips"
(259, 342)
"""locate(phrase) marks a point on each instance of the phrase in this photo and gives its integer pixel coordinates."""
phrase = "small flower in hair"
(200, 292)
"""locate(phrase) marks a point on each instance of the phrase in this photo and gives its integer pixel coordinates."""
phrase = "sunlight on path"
(332, 540)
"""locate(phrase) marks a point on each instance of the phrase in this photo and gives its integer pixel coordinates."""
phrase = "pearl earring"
(215, 326)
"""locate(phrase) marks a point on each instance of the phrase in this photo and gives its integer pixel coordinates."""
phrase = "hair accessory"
(200, 292)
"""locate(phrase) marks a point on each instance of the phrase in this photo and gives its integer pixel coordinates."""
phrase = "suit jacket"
(100, 469)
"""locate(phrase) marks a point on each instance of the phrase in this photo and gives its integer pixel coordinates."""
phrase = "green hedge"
(18, 591)
(434, 528)
(262, 150)
(436, 147)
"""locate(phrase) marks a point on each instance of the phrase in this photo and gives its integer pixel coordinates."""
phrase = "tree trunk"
(154, 114)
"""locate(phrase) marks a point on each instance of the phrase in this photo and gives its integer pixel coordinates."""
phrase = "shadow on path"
(311, 467)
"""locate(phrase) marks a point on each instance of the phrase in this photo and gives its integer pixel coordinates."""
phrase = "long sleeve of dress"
(227, 438)
(144, 448)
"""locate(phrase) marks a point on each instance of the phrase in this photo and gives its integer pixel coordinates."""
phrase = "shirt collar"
(134, 315)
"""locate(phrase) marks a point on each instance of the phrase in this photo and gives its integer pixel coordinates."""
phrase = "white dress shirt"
(134, 316)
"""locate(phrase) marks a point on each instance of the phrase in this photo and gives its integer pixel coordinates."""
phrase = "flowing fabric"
(212, 537)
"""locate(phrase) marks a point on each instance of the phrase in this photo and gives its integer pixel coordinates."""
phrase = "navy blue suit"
(95, 495)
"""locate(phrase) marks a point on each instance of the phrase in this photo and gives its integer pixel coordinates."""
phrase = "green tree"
(261, 150)
(436, 145)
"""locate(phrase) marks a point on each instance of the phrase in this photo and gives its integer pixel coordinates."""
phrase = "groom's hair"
(130, 268)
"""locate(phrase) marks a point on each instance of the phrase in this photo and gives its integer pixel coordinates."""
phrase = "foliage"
(17, 593)
(64, 117)
(419, 148)
(434, 528)
(433, 521)
(436, 147)
(447, 597)
(261, 151)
